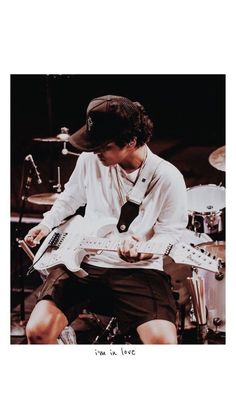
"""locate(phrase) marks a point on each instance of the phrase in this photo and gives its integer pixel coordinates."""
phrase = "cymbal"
(43, 198)
(61, 138)
(217, 158)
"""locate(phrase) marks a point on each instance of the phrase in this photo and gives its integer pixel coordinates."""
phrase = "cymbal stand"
(24, 193)
(65, 151)
(64, 136)
(58, 185)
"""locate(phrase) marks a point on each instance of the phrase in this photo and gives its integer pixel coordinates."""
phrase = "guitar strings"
(31, 268)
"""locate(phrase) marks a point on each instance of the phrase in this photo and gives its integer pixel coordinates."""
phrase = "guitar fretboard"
(112, 245)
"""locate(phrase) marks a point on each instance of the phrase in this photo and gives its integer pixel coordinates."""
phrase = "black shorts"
(134, 296)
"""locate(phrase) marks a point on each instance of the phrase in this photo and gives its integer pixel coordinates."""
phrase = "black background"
(187, 111)
(187, 107)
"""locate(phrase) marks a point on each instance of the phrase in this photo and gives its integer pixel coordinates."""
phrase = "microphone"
(30, 158)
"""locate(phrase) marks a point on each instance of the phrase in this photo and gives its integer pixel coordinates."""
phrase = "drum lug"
(219, 276)
(217, 321)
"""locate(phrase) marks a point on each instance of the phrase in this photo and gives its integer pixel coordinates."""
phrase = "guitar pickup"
(168, 249)
(56, 240)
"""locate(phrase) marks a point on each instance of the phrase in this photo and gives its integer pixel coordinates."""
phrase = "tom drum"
(205, 207)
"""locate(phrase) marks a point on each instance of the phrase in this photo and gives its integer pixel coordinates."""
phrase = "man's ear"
(132, 143)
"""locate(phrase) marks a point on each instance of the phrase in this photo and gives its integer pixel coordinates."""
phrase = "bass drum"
(206, 204)
(214, 288)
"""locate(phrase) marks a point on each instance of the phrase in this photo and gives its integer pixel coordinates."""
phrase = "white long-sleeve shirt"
(162, 214)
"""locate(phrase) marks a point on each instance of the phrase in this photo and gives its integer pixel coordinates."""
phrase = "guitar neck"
(179, 252)
(113, 245)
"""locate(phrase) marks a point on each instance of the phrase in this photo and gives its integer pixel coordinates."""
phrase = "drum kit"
(206, 230)
(206, 208)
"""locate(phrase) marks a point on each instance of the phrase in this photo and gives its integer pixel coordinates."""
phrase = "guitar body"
(68, 253)
(67, 245)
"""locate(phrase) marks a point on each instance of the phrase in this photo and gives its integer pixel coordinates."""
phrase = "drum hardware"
(217, 322)
(64, 135)
(58, 185)
(211, 223)
(217, 158)
(47, 198)
(215, 288)
(26, 181)
(205, 207)
(65, 151)
(219, 276)
(188, 328)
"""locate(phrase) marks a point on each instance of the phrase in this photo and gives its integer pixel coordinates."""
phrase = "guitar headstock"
(190, 255)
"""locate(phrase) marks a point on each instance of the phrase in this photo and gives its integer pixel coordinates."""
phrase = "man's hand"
(128, 252)
(35, 234)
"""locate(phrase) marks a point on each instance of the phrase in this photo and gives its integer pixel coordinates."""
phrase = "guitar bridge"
(57, 239)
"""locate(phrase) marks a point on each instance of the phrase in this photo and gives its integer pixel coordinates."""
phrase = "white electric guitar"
(66, 245)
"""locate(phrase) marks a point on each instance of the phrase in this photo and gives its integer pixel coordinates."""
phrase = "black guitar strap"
(130, 210)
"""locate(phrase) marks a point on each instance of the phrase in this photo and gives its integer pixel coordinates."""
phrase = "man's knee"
(164, 338)
(36, 333)
(45, 324)
(41, 331)
(158, 332)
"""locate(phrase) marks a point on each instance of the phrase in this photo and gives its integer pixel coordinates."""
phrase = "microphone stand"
(19, 330)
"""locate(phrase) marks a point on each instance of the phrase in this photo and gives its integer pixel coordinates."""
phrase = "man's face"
(111, 154)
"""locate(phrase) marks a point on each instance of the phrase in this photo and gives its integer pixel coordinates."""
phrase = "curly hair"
(140, 128)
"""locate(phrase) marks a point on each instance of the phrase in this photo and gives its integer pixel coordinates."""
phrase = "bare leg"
(157, 332)
(46, 323)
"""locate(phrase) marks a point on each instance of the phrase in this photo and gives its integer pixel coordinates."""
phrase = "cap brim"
(83, 142)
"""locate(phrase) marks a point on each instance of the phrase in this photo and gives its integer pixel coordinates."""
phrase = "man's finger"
(136, 238)
(133, 253)
(39, 237)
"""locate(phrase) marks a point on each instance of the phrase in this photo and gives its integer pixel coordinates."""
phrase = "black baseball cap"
(107, 118)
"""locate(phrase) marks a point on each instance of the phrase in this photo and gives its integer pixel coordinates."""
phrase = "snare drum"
(205, 207)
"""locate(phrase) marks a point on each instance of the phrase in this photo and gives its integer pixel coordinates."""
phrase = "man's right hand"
(35, 234)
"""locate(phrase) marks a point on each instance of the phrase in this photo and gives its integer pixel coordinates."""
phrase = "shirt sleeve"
(73, 196)
(171, 201)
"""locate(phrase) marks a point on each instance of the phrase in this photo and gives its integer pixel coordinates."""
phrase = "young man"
(115, 159)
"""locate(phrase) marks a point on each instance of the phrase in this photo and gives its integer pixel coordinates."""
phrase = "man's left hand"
(128, 251)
